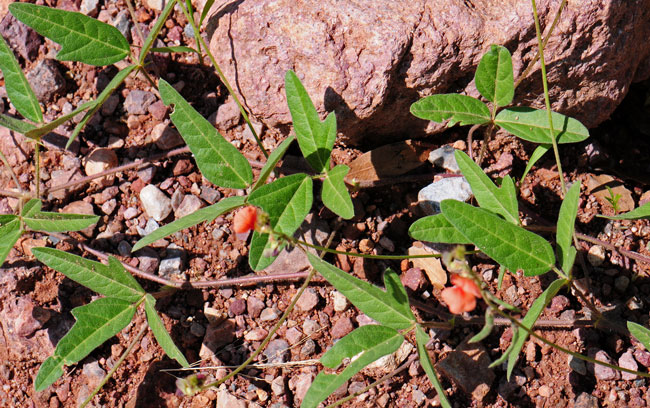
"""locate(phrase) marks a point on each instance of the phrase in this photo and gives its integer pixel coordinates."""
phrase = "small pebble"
(308, 300)
(596, 255)
(268, 314)
(339, 300)
(627, 361)
(276, 351)
(155, 202)
(621, 283)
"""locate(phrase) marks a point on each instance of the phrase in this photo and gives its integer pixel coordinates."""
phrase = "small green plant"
(613, 199)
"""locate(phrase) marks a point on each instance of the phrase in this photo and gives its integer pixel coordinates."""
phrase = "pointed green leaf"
(436, 228)
(529, 320)
(422, 339)
(81, 38)
(532, 125)
(494, 78)
(18, 89)
(534, 158)
(502, 201)
(487, 328)
(38, 132)
(204, 214)
(96, 322)
(204, 12)
(641, 333)
(10, 231)
(457, 108)
(637, 213)
(97, 103)
(508, 244)
(161, 334)
(335, 194)
(272, 161)
(364, 345)
(259, 243)
(16, 125)
(315, 138)
(155, 30)
(219, 161)
(109, 280)
(565, 226)
(39, 220)
(389, 308)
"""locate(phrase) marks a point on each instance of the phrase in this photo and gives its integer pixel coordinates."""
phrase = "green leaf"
(335, 194)
(535, 156)
(161, 334)
(18, 89)
(511, 347)
(39, 220)
(206, 9)
(390, 308)
(502, 201)
(422, 339)
(457, 108)
(16, 125)
(637, 213)
(97, 103)
(272, 161)
(178, 48)
(81, 38)
(532, 125)
(529, 320)
(565, 226)
(641, 333)
(315, 138)
(96, 323)
(287, 202)
(510, 245)
(10, 231)
(38, 132)
(155, 30)
(487, 328)
(436, 228)
(364, 345)
(109, 280)
(219, 161)
(204, 214)
(494, 78)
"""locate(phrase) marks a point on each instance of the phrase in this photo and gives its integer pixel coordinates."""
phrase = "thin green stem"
(225, 82)
(195, 29)
(368, 256)
(129, 5)
(108, 375)
(37, 166)
(547, 99)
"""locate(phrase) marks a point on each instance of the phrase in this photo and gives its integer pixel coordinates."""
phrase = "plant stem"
(108, 375)
(547, 100)
(129, 5)
(37, 166)
(368, 256)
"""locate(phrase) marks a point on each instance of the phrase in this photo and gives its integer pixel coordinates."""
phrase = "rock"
(21, 38)
(81, 207)
(597, 186)
(147, 174)
(173, 263)
(308, 348)
(455, 188)
(237, 307)
(308, 300)
(293, 335)
(342, 327)
(109, 206)
(30, 317)
(93, 373)
(210, 194)
(130, 213)
(311, 328)
(627, 361)
(217, 336)
(413, 279)
(254, 306)
(370, 63)
(98, 161)
(165, 137)
(122, 22)
(155, 4)
(605, 373)
(467, 366)
(585, 400)
(89, 7)
(531, 352)
(108, 107)
(277, 386)
(387, 244)
(577, 365)
(155, 202)
(46, 80)
(257, 334)
(559, 303)
(432, 267)
(596, 255)
(277, 351)
(643, 357)
(148, 260)
(224, 398)
(17, 150)
(124, 248)
(137, 102)
(228, 115)
(444, 157)
(300, 384)
(268, 314)
(545, 391)
(621, 283)
(190, 204)
(339, 301)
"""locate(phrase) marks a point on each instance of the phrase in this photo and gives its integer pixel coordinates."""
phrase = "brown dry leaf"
(432, 267)
(388, 161)
(597, 185)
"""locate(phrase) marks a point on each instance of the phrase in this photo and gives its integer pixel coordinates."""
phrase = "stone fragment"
(597, 186)
(559, 303)
(137, 102)
(277, 351)
(643, 357)
(93, 373)
(89, 7)
(413, 279)
(98, 161)
(238, 307)
(173, 263)
(257, 334)
(596, 255)
(374, 62)
(21, 38)
(605, 373)
(254, 306)
(586, 400)
(109, 206)
(108, 107)
(432, 267)
(293, 335)
(131, 213)
(217, 336)
(308, 300)
(190, 204)
(300, 384)
(148, 260)
(210, 194)
(165, 137)
(155, 202)
(124, 248)
(340, 302)
(341, 328)
(577, 365)
(444, 157)
(81, 207)
(308, 348)
(311, 328)
(626, 360)
(46, 80)
(390, 362)
(29, 317)
(387, 244)
(122, 22)
(467, 366)
(277, 386)
(228, 115)
(621, 283)
(224, 398)
(268, 314)
(455, 188)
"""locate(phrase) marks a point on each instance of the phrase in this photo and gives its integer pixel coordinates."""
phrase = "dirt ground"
(221, 326)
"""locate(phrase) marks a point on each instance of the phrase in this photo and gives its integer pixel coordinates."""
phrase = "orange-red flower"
(462, 296)
(245, 220)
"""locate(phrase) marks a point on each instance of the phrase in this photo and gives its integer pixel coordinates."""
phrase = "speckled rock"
(370, 62)
(157, 205)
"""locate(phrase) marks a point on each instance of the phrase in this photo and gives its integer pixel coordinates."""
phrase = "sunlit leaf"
(39, 220)
(10, 231)
(16, 125)
(457, 108)
(272, 161)
(335, 194)
(20, 93)
(565, 227)
(487, 328)
(637, 213)
(532, 125)
(534, 158)
(494, 77)
(422, 339)
(641, 333)
(160, 332)
(436, 228)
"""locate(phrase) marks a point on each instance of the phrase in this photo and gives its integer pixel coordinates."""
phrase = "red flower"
(245, 220)
(462, 296)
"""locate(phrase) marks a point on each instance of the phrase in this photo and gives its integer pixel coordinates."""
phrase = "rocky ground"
(220, 326)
